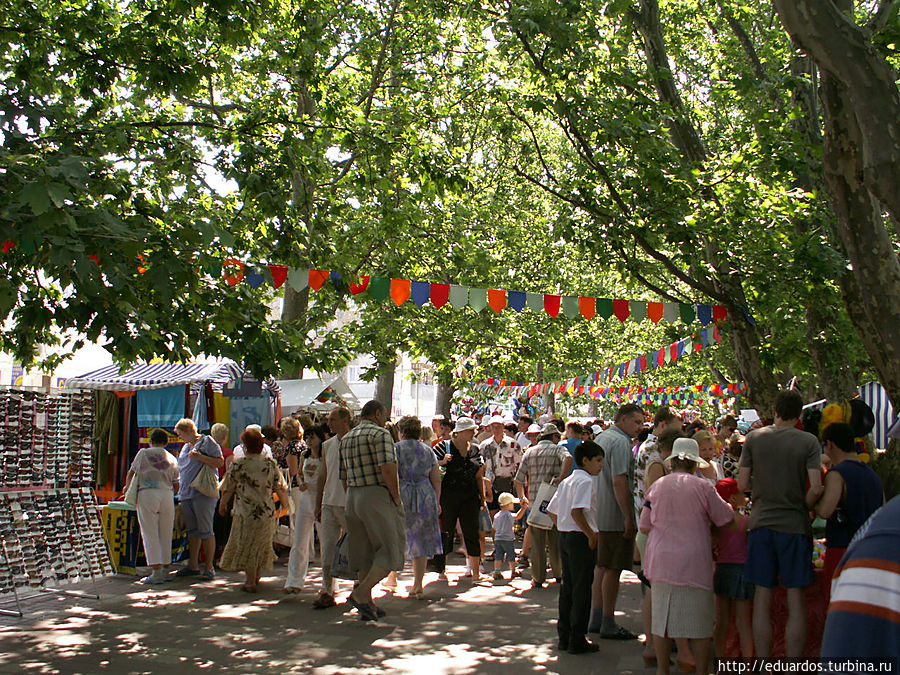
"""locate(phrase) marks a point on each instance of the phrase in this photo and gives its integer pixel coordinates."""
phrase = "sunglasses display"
(50, 528)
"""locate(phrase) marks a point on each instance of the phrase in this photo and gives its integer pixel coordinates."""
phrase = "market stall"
(319, 394)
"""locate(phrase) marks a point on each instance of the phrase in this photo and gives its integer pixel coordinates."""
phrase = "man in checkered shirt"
(546, 462)
(376, 529)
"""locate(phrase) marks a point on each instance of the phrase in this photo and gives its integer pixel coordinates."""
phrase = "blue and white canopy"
(157, 376)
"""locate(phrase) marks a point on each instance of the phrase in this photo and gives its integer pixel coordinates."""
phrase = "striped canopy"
(157, 376)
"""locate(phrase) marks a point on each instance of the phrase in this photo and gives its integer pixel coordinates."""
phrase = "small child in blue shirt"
(504, 535)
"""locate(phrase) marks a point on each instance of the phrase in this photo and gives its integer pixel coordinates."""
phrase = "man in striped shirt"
(864, 614)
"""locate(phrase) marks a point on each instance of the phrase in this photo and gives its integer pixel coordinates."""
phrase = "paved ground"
(181, 627)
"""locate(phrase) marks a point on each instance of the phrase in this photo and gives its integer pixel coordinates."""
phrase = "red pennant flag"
(587, 307)
(279, 275)
(673, 350)
(496, 299)
(360, 285)
(655, 311)
(551, 304)
(643, 363)
(717, 336)
(235, 275)
(440, 294)
(317, 279)
(719, 312)
(400, 289)
(621, 310)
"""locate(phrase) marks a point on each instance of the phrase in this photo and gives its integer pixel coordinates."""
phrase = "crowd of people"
(712, 519)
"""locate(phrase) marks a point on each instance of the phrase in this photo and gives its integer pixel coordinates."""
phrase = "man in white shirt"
(522, 439)
(330, 500)
(502, 456)
(574, 510)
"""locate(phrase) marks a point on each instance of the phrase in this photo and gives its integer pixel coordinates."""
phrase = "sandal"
(365, 610)
(620, 633)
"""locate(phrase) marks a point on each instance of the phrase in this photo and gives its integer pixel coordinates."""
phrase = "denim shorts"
(772, 554)
(504, 551)
(729, 582)
(197, 513)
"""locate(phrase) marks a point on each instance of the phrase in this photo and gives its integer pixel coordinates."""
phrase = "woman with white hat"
(677, 514)
(462, 493)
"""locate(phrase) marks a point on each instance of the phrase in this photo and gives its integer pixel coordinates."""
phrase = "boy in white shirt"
(574, 510)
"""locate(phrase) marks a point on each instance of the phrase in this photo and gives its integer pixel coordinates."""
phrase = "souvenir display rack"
(49, 520)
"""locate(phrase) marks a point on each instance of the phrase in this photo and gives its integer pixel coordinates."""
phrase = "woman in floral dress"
(420, 489)
(251, 479)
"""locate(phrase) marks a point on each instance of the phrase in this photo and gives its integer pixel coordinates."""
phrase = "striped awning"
(157, 376)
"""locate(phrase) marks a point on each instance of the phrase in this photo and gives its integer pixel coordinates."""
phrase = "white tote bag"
(538, 516)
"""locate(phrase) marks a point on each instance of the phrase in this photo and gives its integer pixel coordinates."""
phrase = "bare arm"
(212, 462)
(520, 492)
(816, 489)
(566, 467)
(224, 499)
(480, 478)
(435, 477)
(654, 473)
(293, 465)
(128, 478)
(391, 480)
(625, 500)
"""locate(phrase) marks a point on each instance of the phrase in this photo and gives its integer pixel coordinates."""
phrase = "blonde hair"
(290, 428)
(427, 435)
(704, 435)
(186, 424)
(219, 432)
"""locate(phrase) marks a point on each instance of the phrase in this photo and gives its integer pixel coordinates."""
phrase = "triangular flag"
(496, 299)
(379, 288)
(620, 309)
(253, 276)
(670, 311)
(360, 285)
(704, 337)
(419, 292)
(686, 312)
(400, 289)
(477, 298)
(643, 363)
(717, 336)
(671, 353)
(720, 312)
(459, 296)
(535, 302)
(654, 311)
(638, 310)
(298, 278)
(440, 293)
(570, 306)
(279, 275)
(680, 345)
(551, 304)
(587, 306)
(317, 279)
(516, 300)
(604, 308)
(704, 314)
(233, 271)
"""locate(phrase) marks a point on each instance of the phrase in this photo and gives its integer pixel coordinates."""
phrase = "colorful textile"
(160, 407)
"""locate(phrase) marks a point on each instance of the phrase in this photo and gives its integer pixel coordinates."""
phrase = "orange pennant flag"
(587, 307)
(400, 289)
(496, 299)
(317, 279)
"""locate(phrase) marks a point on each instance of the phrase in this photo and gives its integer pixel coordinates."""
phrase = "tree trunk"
(743, 335)
(826, 31)
(444, 399)
(866, 239)
(384, 386)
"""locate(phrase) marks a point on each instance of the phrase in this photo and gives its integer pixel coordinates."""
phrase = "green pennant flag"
(380, 288)
(604, 307)
(687, 313)
(478, 298)
(535, 302)
(459, 296)
(570, 306)
(637, 310)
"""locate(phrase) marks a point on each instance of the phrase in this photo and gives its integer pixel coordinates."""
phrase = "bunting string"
(400, 291)
(591, 384)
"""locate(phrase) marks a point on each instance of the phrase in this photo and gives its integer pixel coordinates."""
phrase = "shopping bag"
(538, 516)
(340, 564)
(207, 482)
(132, 492)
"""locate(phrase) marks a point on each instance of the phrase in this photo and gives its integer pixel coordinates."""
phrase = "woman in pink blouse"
(678, 511)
